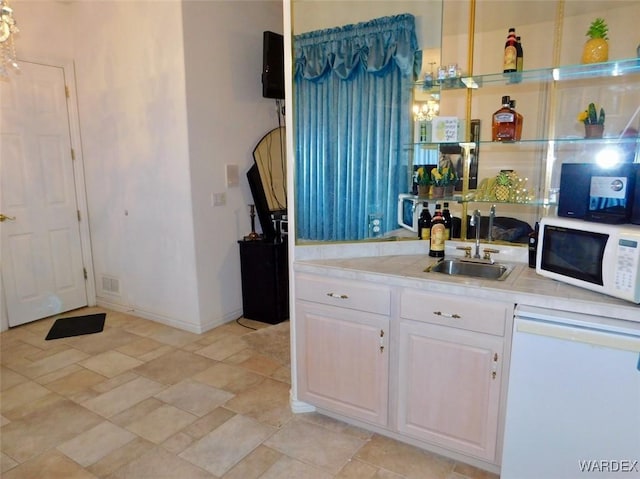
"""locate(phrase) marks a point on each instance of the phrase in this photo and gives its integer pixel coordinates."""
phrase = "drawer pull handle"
(446, 315)
(336, 295)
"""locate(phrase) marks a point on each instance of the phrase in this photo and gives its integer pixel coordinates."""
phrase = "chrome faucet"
(475, 221)
(492, 215)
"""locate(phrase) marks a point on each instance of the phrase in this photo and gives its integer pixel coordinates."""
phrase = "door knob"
(5, 217)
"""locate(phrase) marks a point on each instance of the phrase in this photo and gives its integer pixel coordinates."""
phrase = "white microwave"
(596, 256)
(409, 209)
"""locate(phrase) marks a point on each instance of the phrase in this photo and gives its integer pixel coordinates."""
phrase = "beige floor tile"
(6, 463)
(267, 402)
(335, 425)
(158, 463)
(161, 423)
(45, 429)
(45, 352)
(9, 378)
(95, 443)
(282, 374)
(254, 464)
(473, 472)
(76, 382)
(314, 444)
(140, 347)
(404, 459)
(50, 465)
(136, 412)
(223, 348)
(115, 382)
(355, 469)
(229, 377)
(121, 457)
(59, 373)
(194, 397)
(173, 367)
(31, 407)
(111, 363)
(3, 421)
(52, 363)
(174, 337)
(143, 327)
(289, 468)
(108, 339)
(261, 365)
(17, 396)
(208, 423)
(123, 397)
(224, 447)
(178, 442)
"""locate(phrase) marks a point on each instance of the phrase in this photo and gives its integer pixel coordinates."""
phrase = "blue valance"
(372, 46)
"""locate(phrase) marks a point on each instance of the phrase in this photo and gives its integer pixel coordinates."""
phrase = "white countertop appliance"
(573, 407)
(600, 257)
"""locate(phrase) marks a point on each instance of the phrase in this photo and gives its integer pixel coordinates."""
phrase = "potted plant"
(423, 178)
(593, 122)
(443, 179)
(597, 48)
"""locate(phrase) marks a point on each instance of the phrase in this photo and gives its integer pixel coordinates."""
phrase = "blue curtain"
(352, 116)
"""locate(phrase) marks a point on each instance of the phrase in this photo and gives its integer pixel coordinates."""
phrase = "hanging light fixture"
(7, 48)
(426, 110)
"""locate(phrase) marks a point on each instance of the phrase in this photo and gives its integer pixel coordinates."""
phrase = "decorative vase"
(423, 190)
(593, 131)
(448, 191)
(595, 50)
(437, 192)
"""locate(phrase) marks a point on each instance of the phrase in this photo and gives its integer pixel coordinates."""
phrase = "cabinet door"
(343, 360)
(449, 387)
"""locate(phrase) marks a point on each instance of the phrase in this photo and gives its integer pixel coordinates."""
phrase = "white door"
(41, 254)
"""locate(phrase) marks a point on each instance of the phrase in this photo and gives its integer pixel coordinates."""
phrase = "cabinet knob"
(447, 315)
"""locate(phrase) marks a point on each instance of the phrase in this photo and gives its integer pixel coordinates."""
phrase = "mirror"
(315, 15)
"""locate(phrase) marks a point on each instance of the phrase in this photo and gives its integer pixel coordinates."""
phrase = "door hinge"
(78, 215)
(84, 271)
(73, 154)
(67, 92)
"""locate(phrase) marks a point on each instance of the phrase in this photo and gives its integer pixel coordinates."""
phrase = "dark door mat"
(77, 326)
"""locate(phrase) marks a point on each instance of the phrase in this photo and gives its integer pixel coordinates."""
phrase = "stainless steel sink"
(461, 267)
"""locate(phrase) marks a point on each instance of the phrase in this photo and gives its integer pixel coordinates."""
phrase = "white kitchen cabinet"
(342, 347)
(451, 354)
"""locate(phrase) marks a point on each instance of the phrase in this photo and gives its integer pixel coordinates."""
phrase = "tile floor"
(142, 400)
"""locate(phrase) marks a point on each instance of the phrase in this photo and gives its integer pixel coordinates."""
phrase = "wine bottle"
(519, 55)
(436, 247)
(424, 222)
(510, 52)
(446, 215)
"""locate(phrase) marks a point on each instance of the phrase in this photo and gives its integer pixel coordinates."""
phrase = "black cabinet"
(265, 281)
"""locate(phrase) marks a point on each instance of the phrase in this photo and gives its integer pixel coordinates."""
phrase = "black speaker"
(635, 204)
(575, 182)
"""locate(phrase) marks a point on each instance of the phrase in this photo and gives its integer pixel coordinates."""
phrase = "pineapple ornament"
(502, 190)
(597, 48)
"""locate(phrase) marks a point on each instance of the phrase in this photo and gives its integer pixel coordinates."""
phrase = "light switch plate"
(233, 178)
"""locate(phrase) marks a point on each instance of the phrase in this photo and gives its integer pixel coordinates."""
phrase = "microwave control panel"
(627, 261)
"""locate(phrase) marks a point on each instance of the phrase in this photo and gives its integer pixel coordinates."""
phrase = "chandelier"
(425, 111)
(7, 48)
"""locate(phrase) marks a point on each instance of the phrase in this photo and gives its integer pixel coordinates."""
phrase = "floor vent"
(110, 285)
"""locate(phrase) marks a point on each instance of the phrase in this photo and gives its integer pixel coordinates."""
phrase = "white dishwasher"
(573, 407)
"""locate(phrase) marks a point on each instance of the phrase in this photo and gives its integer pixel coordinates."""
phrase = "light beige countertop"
(522, 286)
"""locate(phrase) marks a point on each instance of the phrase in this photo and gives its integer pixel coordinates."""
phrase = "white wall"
(227, 116)
(160, 116)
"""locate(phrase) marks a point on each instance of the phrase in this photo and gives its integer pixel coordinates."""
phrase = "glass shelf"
(470, 198)
(534, 142)
(627, 66)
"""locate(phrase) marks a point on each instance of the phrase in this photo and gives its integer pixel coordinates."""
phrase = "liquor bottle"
(446, 215)
(510, 52)
(519, 120)
(533, 246)
(503, 127)
(424, 222)
(436, 247)
(519, 55)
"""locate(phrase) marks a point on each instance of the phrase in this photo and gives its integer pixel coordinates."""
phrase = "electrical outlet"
(218, 199)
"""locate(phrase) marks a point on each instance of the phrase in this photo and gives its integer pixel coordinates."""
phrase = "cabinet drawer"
(368, 297)
(456, 311)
